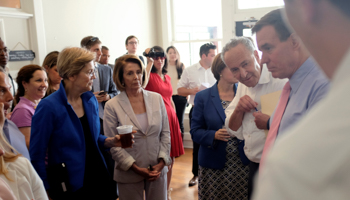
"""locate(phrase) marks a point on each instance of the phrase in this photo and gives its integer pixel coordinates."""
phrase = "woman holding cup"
(219, 159)
(140, 169)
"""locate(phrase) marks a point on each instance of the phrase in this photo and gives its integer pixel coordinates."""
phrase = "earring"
(123, 84)
(220, 75)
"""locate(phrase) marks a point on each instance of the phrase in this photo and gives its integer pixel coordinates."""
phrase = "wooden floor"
(181, 176)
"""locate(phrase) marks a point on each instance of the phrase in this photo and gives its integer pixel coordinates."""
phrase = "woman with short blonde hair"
(66, 125)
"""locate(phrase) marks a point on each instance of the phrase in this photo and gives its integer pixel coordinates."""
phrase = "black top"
(98, 183)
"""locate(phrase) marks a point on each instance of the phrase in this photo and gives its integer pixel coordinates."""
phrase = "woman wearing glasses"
(159, 82)
(66, 125)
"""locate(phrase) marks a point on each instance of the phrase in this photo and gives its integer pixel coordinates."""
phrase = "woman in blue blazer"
(221, 172)
(66, 129)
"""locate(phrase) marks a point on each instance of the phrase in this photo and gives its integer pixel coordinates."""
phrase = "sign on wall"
(21, 55)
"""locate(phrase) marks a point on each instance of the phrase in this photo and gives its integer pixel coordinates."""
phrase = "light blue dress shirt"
(308, 86)
(15, 138)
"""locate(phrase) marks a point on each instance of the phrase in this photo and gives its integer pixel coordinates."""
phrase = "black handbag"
(58, 179)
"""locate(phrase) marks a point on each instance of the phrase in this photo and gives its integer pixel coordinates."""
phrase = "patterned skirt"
(228, 183)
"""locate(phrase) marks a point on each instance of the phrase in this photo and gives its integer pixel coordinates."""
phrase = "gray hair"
(246, 41)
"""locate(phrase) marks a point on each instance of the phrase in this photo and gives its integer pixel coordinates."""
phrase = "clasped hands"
(150, 174)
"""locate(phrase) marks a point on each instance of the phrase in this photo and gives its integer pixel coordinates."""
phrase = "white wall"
(67, 22)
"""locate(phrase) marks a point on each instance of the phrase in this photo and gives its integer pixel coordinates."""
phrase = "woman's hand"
(115, 141)
(222, 135)
(159, 167)
(146, 173)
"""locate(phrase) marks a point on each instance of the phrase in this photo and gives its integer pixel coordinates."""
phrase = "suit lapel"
(126, 106)
(100, 76)
(215, 98)
(149, 108)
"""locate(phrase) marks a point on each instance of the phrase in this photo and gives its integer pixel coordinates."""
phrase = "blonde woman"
(17, 172)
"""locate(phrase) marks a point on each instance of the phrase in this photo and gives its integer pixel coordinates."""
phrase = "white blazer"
(25, 182)
(150, 145)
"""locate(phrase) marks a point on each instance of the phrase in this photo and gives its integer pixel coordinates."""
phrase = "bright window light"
(250, 4)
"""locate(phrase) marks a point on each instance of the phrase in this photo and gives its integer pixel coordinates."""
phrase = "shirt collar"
(301, 73)
(199, 66)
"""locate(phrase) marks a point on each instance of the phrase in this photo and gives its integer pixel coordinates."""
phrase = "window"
(195, 24)
(250, 4)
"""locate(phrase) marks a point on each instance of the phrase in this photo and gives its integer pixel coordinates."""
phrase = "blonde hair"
(8, 156)
(72, 60)
(118, 71)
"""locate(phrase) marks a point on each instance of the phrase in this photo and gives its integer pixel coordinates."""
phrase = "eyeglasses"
(132, 43)
(92, 73)
(93, 39)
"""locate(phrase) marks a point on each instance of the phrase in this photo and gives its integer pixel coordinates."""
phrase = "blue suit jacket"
(208, 116)
(57, 129)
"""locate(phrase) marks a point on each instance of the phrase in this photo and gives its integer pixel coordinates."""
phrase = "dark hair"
(217, 66)
(273, 18)
(131, 37)
(165, 68)
(118, 72)
(50, 61)
(205, 48)
(89, 41)
(179, 65)
(104, 48)
(25, 74)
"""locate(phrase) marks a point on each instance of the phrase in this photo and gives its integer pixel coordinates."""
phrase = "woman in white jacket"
(18, 172)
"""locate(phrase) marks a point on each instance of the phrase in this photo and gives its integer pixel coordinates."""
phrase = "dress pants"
(253, 168)
(180, 106)
(153, 190)
(195, 151)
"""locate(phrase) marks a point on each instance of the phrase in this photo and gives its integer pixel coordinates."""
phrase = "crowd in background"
(59, 137)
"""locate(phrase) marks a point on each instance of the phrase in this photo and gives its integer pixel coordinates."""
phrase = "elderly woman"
(50, 65)
(16, 172)
(221, 172)
(32, 85)
(67, 126)
(139, 169)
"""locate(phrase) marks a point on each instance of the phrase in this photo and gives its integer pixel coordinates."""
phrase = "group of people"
(61, 142)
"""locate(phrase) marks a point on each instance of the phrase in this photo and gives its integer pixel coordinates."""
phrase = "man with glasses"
(241, 57)
(4, 57)
(131, 44)
(193, 79)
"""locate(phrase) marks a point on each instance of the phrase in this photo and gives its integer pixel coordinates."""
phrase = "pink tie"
(271, 137)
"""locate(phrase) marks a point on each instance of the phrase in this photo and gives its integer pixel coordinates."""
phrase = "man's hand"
(261, 120)
(246, 104)
(102, 98)
(222, 135)
(194, 90)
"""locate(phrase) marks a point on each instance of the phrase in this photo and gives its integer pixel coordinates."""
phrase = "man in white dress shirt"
(194, 79)
(312, 160)
(241, 57)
